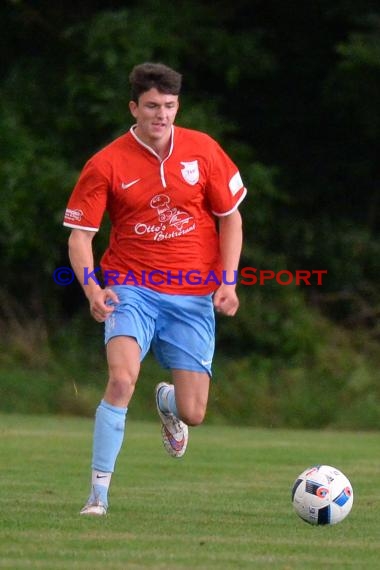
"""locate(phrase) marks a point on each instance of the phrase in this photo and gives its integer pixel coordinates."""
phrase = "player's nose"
(161, 111)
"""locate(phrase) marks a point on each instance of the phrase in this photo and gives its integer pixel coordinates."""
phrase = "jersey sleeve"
(225, 188)
(88, 200)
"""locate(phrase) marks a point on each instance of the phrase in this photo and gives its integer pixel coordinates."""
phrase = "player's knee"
(194, 417)
(121, 385)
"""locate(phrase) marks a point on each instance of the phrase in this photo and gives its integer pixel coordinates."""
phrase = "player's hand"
(226, 300)
(99, 307)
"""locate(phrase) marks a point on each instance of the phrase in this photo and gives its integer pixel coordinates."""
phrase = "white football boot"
(175, 433)
(94, 508)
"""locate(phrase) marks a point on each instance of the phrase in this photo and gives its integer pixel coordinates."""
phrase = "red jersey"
(164, 235)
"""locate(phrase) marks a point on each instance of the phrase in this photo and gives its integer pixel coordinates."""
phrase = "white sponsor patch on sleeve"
(73, 215)
(235, 184)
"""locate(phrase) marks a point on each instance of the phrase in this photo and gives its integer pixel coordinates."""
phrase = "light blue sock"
(108, 439)
(108, 436)
(166, 400)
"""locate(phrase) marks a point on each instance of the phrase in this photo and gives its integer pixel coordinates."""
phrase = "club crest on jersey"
(190, 172)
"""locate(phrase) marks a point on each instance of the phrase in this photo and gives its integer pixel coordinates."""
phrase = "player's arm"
(230, 243)
(82, 261)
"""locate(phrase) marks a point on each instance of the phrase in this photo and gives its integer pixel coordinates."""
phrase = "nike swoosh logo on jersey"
(124, 185)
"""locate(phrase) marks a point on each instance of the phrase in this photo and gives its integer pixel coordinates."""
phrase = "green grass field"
(225, 505)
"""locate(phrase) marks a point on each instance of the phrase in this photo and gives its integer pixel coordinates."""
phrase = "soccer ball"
(322, 495)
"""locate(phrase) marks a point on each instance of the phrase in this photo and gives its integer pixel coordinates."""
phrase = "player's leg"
(187, 397)
(184, 342)
(191, 395)
(123, 356)
(128, 333)
(180, 404)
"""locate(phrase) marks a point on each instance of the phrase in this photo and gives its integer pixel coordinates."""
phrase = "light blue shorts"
(180, 329)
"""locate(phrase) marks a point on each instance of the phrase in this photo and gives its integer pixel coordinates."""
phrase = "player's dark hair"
(147, 76)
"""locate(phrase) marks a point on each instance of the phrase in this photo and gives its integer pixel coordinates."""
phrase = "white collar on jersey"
(132, 131)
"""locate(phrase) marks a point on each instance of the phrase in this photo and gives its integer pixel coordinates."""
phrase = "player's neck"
(160, 146)
(161, 149)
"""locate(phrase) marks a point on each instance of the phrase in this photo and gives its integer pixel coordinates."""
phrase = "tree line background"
(291, 91)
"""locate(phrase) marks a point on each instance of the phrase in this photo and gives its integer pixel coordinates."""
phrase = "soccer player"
(172, 195)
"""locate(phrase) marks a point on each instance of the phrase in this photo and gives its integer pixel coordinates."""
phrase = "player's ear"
(133, 108)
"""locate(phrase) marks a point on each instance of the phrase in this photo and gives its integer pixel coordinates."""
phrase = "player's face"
(154, 113)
